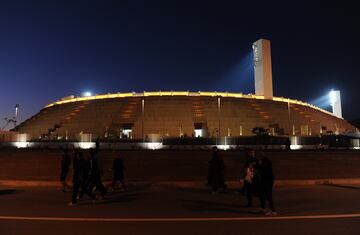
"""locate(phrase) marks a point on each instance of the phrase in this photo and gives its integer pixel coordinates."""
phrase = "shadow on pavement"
(206, 206)
(133, 193)
(123, 197)
(342, 186)
(201, 190)
(204, 190)
(8, 191)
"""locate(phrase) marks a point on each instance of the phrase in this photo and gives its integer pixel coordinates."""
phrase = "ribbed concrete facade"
(173, 116)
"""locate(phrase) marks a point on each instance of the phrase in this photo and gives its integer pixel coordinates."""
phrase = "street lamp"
(16, 113)
(142, 118)
(219, 110)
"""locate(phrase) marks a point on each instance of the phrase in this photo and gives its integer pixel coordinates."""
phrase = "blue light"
(332, 97)
(86, 94)
(240, 76)
(325, 101)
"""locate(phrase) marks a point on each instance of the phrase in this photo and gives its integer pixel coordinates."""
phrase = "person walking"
(79, 178)
(65, 166)
(250, 177)
(266, 185)
(216, 172)
(118, 173)
(96, 173)
(247, 188)
(86, 178)
(288, 144)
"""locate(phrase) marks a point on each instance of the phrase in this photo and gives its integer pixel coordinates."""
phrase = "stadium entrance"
(200, 129)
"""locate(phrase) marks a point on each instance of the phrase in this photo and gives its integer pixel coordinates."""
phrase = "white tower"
(262, 67)
(335, 101)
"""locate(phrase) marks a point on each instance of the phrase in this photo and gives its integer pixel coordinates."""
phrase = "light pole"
(219, 110)
(142, 118)
(288, 107)
(335, 102)
(16, 114)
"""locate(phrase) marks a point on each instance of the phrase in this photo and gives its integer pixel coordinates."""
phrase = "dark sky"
(51, 49)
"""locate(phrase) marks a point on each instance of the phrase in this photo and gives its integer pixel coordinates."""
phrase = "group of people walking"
(258, 178)
(87, 174)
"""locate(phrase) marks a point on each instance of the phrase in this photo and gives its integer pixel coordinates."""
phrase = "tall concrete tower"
(335, 101)
(262, 67)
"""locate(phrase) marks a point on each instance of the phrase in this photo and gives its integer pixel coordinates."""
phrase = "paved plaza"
(172, 209)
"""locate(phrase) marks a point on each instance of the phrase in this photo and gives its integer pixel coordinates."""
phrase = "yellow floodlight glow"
(184, 93)
(152, 145)
(86, 145)
(21, 144)
(223, 146)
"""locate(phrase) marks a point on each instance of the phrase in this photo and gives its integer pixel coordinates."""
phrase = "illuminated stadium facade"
(161, 114)
(156, 115)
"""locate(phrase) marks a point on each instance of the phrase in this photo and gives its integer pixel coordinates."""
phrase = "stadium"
(157, 116)
(178, 114)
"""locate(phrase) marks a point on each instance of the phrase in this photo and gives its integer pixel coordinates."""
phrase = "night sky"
(51, 49)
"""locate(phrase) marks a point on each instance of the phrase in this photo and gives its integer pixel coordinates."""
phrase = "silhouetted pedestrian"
(86, 177)
(65, 166)
(250, 177)
(216, 172)
(266, 184)
(118, 173)
(288, 144)
(97, 145)
(247, 188)
(96, 173)
(80, 171)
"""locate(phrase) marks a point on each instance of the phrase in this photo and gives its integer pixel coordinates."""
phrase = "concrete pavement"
(171, 165)
(302, 210)
(290, 182)
(315, 193)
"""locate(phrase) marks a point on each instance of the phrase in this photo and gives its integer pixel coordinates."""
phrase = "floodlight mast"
(335, 102)
(262, 68)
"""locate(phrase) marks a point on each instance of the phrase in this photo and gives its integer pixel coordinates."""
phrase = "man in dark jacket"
(118, 173)
(96, 173)
(65, 166)
(216, 172)
(80, 175)
(266, 184)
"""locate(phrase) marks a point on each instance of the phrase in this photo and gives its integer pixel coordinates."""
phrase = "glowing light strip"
(185, 93)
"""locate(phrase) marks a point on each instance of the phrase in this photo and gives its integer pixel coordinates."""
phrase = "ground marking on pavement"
(184, 219)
